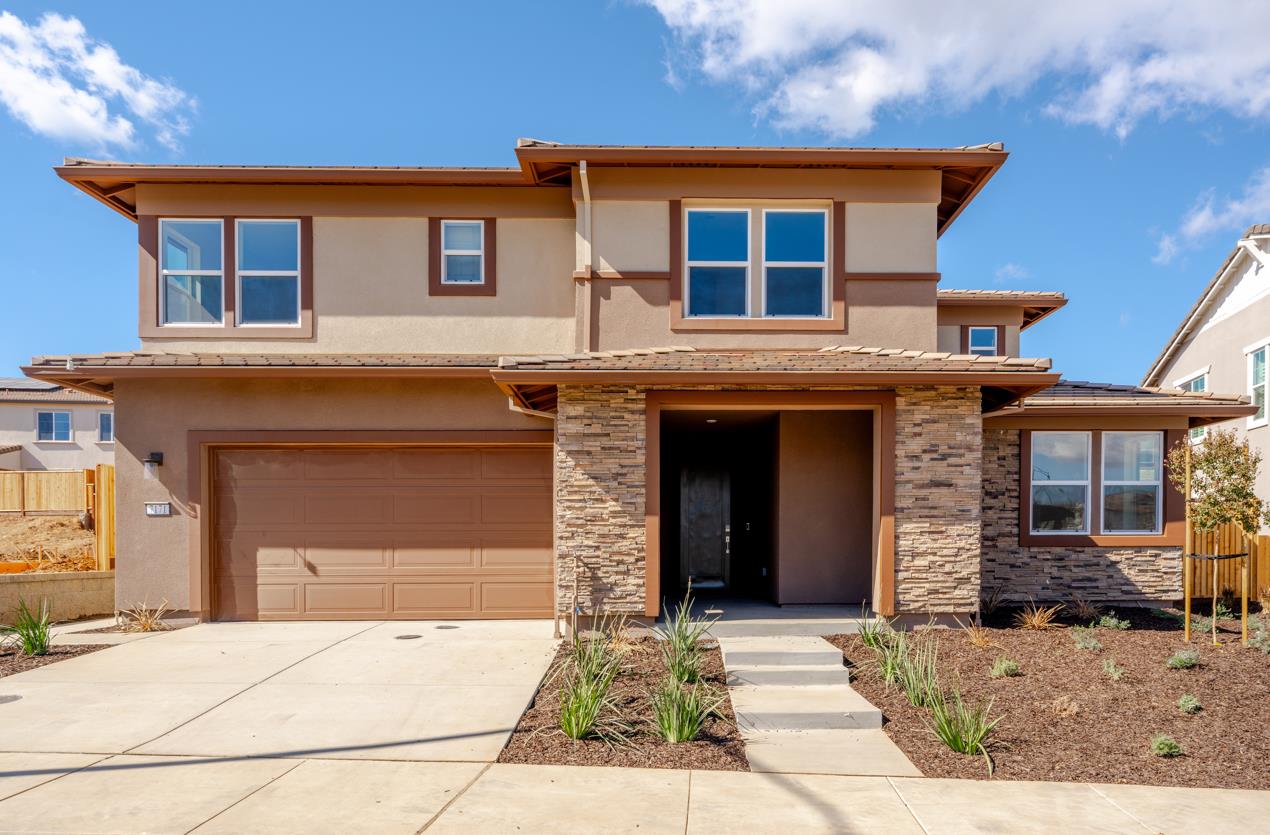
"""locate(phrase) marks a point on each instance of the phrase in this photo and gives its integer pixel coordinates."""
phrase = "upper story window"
(792, 269)
(982, 341)
(462, 252)
(1060, 482)
(53, 426)
(1257, 384)
(191, 272)
(268, 271)
(105, 427)
(1132, 472)
(1198, 383)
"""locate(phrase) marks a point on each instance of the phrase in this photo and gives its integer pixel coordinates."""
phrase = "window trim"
(997, 339)
(826, 300)
(479, 253)
(296, 273)
(746, 264)
(1172, 534)
(163, 274)
(1087, 483)
(488, 286)
(70, 426)
(101, 414)
(1253, 421)
(1103, 484)
(1199, 433)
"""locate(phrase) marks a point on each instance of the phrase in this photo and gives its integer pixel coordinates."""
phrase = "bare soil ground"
(61, 539)
(13, 661)
(539, 740)
(1065, 719)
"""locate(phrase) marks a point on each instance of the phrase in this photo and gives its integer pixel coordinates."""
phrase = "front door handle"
(727, 540)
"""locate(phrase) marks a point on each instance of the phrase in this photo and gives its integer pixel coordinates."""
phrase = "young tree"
(1223, 471)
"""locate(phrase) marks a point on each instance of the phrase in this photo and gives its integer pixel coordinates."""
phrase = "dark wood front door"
(705, 527)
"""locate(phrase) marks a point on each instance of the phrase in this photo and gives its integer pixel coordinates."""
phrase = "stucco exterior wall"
(156, 416)
(82, 452)
(1050, 574)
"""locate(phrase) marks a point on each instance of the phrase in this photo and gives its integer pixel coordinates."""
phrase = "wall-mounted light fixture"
(151, 464)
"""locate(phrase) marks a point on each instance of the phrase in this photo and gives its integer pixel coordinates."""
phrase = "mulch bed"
(1227, 744)
(539, 740)
(15, 662)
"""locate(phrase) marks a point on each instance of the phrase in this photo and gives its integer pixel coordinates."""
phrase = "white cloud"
(1011, 271)
(1209, 216)
(60, 82)
(835, 66)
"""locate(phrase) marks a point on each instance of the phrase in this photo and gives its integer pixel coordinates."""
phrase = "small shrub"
(893, 647)
(964, 728)
(681, 642)
(873, 631)
(1110, 621)
(1223, 611)
(916, 672)
(1261, 638)
(1112, 670)
(1183, 659)
(32, 631)
(990, 602)
(1084, 637)
(1228, 603)
(1188, 704)
(679, 711)
(977, 634)
(1083, 610)
(1163, 745)
(1005, 668)
(1064, 706)
(142, 618)
(1201, 624)
(1036, 617)
(587, 708)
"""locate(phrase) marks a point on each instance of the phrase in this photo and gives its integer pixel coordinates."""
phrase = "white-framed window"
(982, 341)
(1132, 479)
(1198, 383)
(718, 264)
(795, 263)
(105, 427)
(191, 271)
(268, 271)
(53, 426)
(462, 252)
(1257, 384)
(1060, 464)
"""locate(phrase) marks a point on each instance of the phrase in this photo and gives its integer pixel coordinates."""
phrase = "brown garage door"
(412, 532)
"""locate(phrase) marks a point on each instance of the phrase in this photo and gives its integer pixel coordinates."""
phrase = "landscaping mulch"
(1106, 739)
(12, 661)
(539, 740)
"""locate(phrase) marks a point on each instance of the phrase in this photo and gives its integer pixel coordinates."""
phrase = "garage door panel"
(383, 533)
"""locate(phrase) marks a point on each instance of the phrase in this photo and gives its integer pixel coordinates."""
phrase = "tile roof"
(849, 358)
(1082, 393)
(24, 384)
(26, 390)
(1003, 295)
(10, 448)
(164, 359)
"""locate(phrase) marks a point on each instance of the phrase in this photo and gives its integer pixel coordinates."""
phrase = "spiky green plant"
(587, 707)
(681, 643)
(916, 671)
(680, 710)
(32, 631)
(873, 630)
(966, 729)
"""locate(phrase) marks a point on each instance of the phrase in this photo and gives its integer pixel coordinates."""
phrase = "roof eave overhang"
(1034, 310)
(1197, 415)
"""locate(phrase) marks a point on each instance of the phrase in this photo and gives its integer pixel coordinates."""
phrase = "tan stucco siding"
(82, 451)
(157, 416)
(631, 235)
(856, 186)
(891, 237)
(370, 294)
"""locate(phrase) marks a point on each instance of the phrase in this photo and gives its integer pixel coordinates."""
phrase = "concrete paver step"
(834, 751)
(774, 708)
(785, 675)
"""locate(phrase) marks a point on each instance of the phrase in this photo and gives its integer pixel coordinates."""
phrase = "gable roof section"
(1036, 304)
(1077, 397)
(26, 390)
(1195, 316)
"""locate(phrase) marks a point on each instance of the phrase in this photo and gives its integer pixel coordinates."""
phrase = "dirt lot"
(63, 541)
(12, 661)
(1106, 738)
(538, 739)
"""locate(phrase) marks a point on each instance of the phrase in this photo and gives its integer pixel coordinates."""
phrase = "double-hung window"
(1132, 474)
(462, 252)
(1257, 384)
(982, 341)
(718, 268)
(268, 272)
(1060, 482)
(191, 272)
(795, 263)
(53, 426)
(1198, 383)
(105, 427)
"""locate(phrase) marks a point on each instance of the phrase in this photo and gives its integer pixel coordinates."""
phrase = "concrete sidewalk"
(72, 793)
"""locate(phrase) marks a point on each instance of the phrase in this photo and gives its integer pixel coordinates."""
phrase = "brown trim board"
(489, 287)
(201, 444)
(881, 403)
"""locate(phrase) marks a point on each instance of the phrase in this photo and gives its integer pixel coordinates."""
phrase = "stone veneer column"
(938, 483)
(599, 490)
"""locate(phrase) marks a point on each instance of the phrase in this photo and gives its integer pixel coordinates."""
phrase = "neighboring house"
(594, 378)
(1223, 343)
(47, 427)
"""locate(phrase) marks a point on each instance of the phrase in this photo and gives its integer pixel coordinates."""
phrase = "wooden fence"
(1230, 539)
(104, 515)
(65, 492)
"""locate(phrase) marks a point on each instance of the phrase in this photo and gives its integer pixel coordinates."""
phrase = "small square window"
(462, 252)
(105, 427)
(53, 426)
(982, 341)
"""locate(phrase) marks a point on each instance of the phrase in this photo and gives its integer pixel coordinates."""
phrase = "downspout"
(586, 213)
(582, 331)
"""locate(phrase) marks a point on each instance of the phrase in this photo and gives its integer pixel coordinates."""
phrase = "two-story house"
(1223, 342)
(47, 427)
(592, 379)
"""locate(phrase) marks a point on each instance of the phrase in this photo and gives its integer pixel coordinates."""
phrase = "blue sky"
(1135, 162)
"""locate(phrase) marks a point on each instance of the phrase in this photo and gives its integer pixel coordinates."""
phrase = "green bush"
(893, 647)
(1261, 638)
(1183, 659)
(1005, 668)
(1189, 704)
(1112, 670)
(1110, 621)
(1163, 745)
(916, 673)
(963, 728)
(873, 631)
(680, 710)
(32, 631)
(1084, 637)
(587, 708)
(681, 642)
